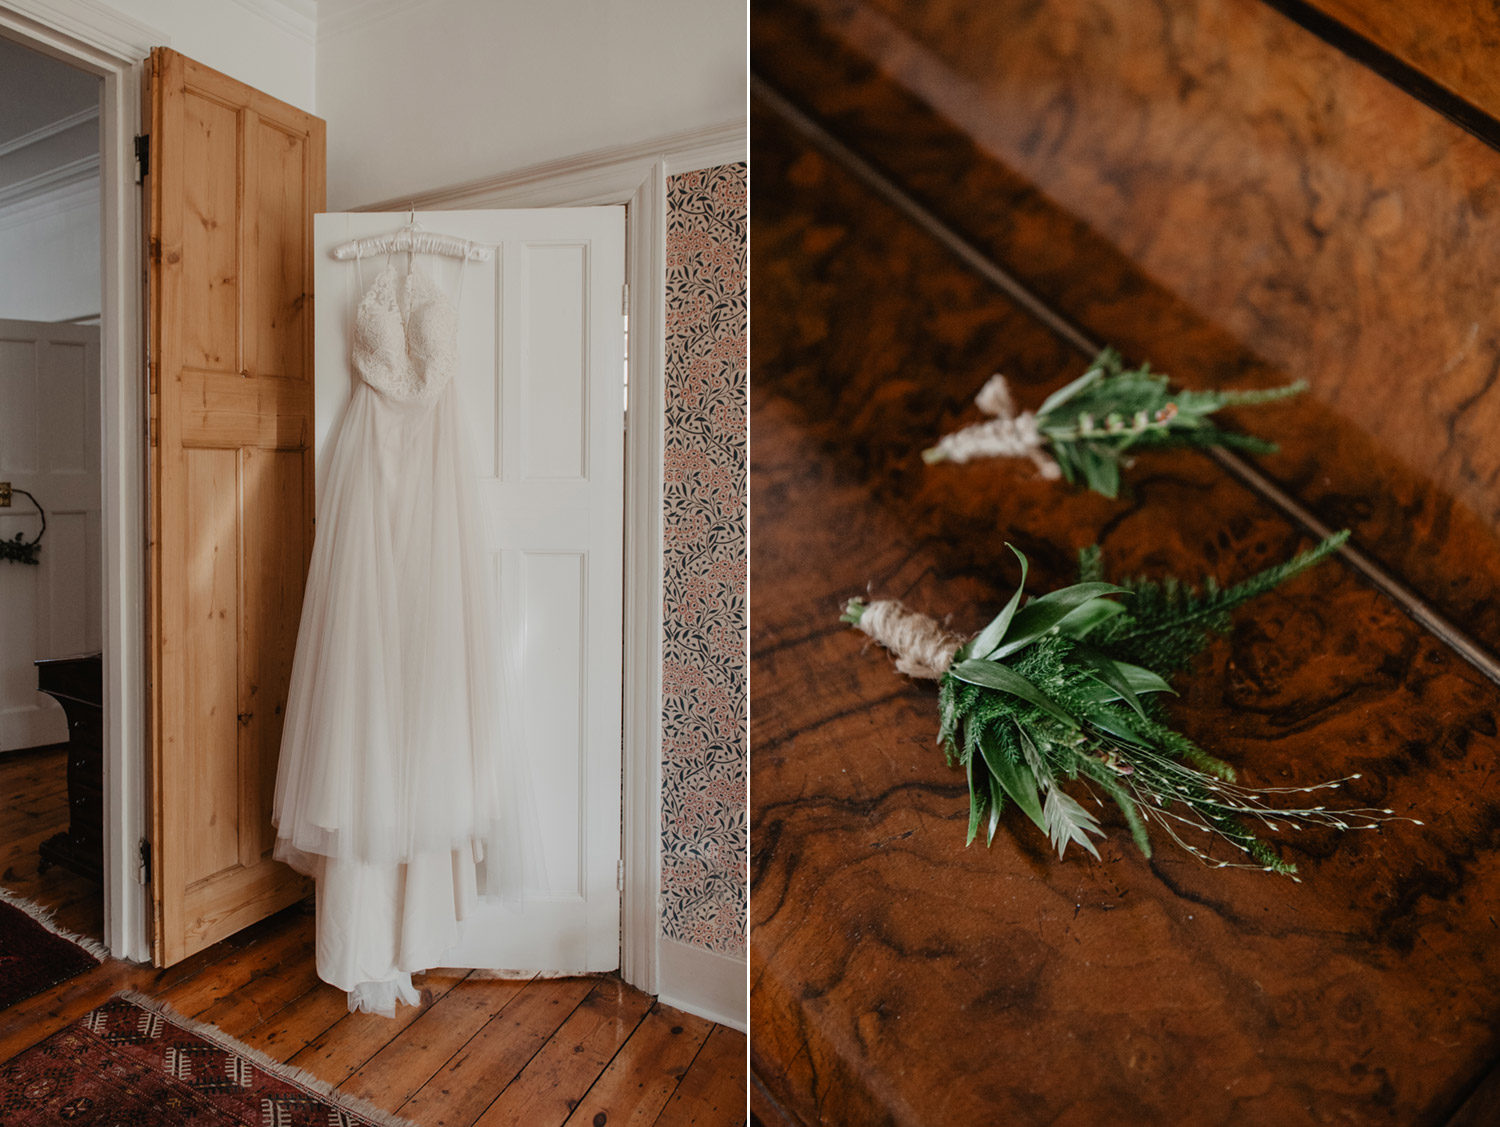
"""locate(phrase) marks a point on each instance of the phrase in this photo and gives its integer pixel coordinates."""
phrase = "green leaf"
(1077, 594)
(1062, 453)
(1077, 623)
(993, 675)
(1138, 679)
(1066, 392)
(991, 635)
(1249, 443)
(1112, 721)
(1231, 397)
(1087, 462)
(1104, 472)
(1017, 780)
(976, 804)
(1125, 679)
(1041, 615)
(997, 801)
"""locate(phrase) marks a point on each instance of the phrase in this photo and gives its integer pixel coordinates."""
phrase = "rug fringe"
(48, 919)
(290, 1073)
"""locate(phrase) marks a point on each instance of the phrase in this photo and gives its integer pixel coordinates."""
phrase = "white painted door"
(49, 446)
(541, 337)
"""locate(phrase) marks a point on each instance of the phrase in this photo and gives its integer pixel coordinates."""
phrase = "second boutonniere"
(1066, 689)
(1087, 431)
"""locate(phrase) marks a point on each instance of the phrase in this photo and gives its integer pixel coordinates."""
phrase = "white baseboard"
(704, 983)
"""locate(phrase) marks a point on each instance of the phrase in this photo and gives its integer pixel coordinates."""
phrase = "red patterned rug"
(135, 1063)
(35, 953)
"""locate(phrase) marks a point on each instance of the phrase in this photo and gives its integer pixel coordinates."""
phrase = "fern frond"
(1090, 564)
(1068, 822)
(1193, 609)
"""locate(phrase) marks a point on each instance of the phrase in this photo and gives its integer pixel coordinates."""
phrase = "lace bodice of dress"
(405, 336)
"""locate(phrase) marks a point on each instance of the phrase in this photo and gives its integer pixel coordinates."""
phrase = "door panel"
(234, 181)
(278, 341)
(541, 377)
(273, 484)
(553, 593)
(555, 375)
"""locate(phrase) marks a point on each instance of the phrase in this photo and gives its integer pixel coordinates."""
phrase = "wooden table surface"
(898, 977)
(1205, 185)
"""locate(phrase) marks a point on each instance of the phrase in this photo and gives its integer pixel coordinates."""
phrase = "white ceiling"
(36, 91)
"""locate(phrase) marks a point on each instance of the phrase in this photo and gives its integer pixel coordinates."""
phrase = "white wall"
(267, 44)
(49, 188)
(425, 94)
(50, 248)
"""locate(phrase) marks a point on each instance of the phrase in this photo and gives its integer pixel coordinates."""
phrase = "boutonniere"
(1064, 692)
(1088, 431)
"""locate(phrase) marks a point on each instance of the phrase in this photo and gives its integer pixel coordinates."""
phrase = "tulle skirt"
(400, 783)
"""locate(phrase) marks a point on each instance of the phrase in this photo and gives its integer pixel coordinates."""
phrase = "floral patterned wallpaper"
(704, 754)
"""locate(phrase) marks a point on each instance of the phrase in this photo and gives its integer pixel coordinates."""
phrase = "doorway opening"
(52, 614)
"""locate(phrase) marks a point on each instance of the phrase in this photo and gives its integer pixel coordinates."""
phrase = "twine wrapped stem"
(921, 646)
(1008, 435)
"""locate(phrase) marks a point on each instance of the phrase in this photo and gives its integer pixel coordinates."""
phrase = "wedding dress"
(398, 784)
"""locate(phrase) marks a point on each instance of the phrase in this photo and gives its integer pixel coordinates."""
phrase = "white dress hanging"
(400, 789)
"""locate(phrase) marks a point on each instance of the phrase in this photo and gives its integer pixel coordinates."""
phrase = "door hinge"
(620, 875)
(142, 157)
(625, 300)
(143, 874)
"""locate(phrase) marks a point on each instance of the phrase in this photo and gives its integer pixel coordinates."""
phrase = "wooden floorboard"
(546, 1089)
(342, 1049)
(498, 1051)
(708, 1090)
(477, 1050)
(242, 970)
(33, 807)
(295, 1026)
(400, 1069)
(645, 1072)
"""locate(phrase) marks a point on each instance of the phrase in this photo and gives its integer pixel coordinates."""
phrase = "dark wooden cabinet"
(77, 683)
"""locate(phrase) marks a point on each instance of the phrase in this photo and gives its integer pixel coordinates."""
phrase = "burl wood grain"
(1454, 42)
(1207, 185)
(898, 977)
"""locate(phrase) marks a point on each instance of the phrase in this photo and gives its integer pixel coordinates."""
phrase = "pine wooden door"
(542, 379)
(234, 179)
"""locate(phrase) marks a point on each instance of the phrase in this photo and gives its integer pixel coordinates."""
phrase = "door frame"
(105, 43)
(636, 176)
